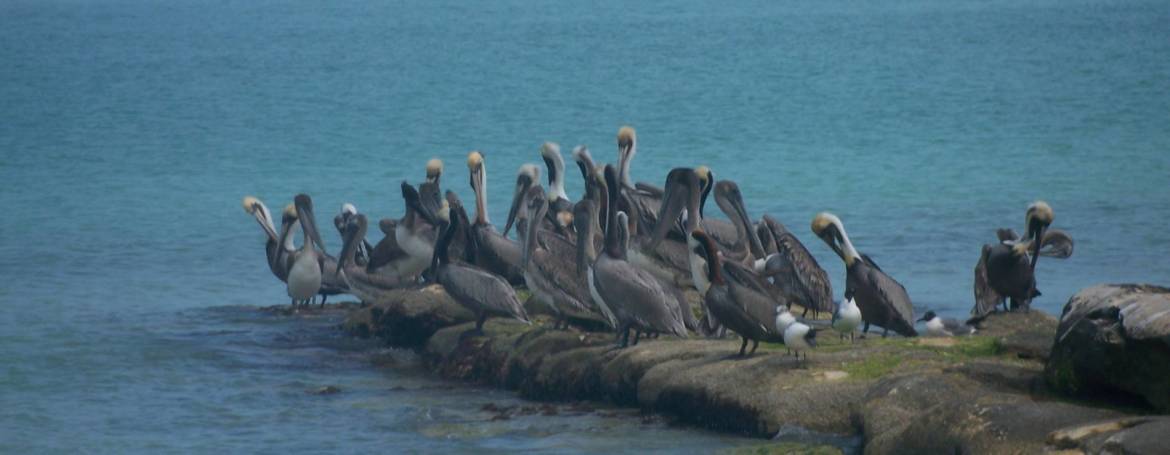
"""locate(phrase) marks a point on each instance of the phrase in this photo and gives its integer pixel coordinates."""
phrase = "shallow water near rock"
(261, 382)
(132, 128)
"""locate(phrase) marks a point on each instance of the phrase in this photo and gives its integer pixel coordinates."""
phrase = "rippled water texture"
(130, 129)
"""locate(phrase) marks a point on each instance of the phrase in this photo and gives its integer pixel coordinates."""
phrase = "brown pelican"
(723, 232)
(306, 264)
(429, 192)
(585, 217)
(667, 258)
(408, 245)
(526, 176)
(552, 274)
(939, 327)
(883, 301)
(492, 252)
(740, 308)
(793, 269)
(1007, 270)
(348, 211)
(644, 197)
(745, 246)
(633, 295)
(482, 292)
(591, 174)
(277, 245)
(362, 283)
(559, 204)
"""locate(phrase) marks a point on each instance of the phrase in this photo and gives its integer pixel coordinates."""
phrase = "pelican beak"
(680, 194)
(523, 183)
(708, 183)
(832, 236)
(1037, 240)
(757, 249)
(304, 205)
(537, 206)
(262, 217)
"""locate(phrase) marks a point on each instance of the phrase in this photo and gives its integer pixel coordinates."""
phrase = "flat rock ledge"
(977, 394)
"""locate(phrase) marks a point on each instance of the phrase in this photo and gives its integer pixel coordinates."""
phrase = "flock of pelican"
(626, 254)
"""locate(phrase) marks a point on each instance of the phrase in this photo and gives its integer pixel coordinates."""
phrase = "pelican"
(723, 232)
(667, 258)
(553, 275)
(1007, 270)
(745, 246)
(526, 176)
(939, 327)
(595, 191)
(645, 197)
(305, 264)
(585, 216)
(883, 301)
(429, 192)
(793, 269)
(348, 211)
(482, 292)
(277, 245)
(364, 284)
(633, 295)
(740, 308)
(493, 252)
(846, 318)
(558, 200)
(408, 245)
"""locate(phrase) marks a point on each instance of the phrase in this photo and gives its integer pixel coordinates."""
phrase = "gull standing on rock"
(846, 318)
(800, 337)
(939, 327)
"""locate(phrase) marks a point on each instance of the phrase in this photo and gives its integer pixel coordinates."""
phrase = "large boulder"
(407, 317)
(952, 413)
(1114, 341)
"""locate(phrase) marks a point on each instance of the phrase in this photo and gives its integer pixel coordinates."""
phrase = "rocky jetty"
(979, 394)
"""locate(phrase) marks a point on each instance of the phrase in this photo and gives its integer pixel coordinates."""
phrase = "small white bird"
(800, 337)
(846, 318)
(783, 320)
(939, 327)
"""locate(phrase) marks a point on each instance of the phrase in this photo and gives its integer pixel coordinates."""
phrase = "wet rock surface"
(1114, 339)
(979, 394)
(406, 317)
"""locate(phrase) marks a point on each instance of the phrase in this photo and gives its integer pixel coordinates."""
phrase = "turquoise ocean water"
(130, 129)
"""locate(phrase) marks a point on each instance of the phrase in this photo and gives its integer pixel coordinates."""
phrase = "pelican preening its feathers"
(1006, 271)
(883, 301)
(627, 253)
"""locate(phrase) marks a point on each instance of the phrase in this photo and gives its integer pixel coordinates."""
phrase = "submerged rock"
(1114, 341)
(406, 317)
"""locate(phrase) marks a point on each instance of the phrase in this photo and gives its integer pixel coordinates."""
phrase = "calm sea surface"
(130, 129)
